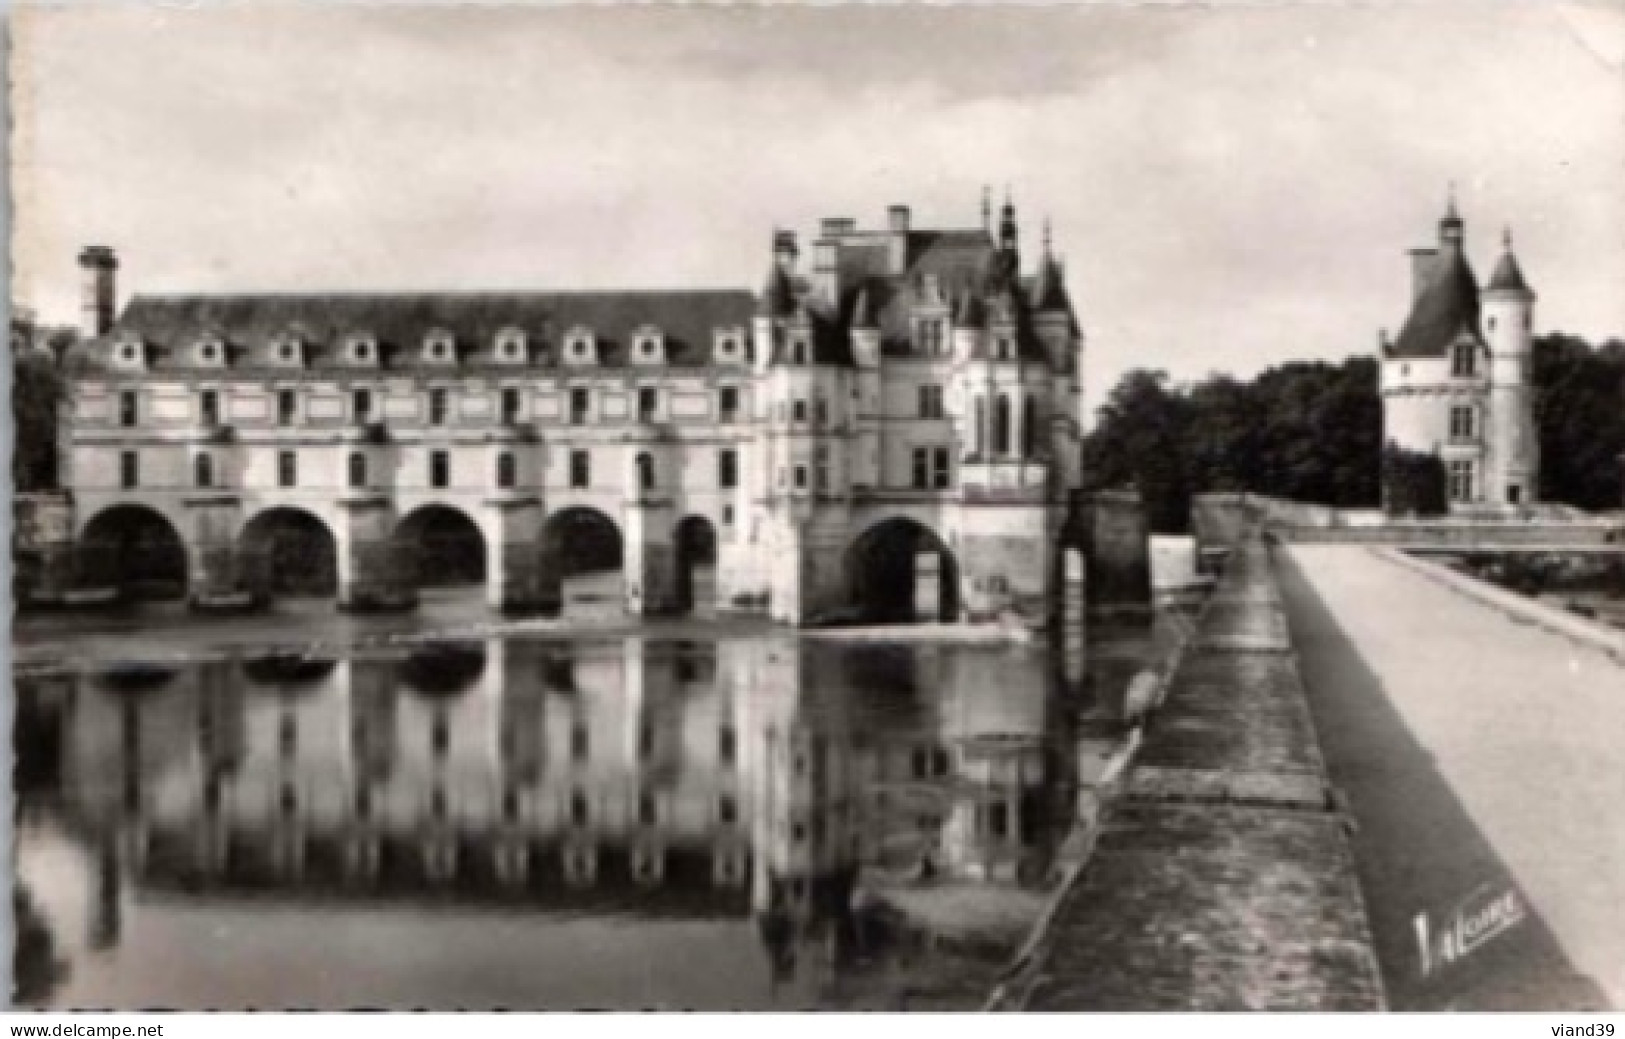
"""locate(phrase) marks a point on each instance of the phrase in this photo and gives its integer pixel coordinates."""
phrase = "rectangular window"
(579, 747)
(821, 468)
(208, 406)
(931, 401)
(287, 407)
(922, 467)
(510, 404)
(129, 410)
(437, 407)
(1461, 481)
(580, 469)
(648, 403)
(1461, 423)
(287, 469)
(821, 411)
(439, 469)
(941, 474)
(801, 477)
(580, 400)
(129, 469)
(727, 468)
(727, 746)
(361, 405)
(728, 404)
(799, 411)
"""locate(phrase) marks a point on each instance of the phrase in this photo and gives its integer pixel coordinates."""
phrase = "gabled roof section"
(251, 323)
(1446, 309)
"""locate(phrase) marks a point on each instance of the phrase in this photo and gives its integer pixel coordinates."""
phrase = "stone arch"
(288, 550)
(899, 570)
(446, 544)
(136, 549)
(695, 544)
(583, 556)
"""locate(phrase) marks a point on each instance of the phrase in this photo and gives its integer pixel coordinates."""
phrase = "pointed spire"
(1451, 227)
(1508, 276)
(1007, 224)
(987, 208)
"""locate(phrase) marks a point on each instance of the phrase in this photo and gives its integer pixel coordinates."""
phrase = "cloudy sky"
(1230, 188)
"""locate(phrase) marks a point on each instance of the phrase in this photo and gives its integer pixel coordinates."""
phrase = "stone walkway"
(1480, 755)
(1221, 878)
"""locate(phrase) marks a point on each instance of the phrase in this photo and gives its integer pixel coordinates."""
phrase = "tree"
(1413, 483)
(36, 388)
(1139, 441)
(1580, 419)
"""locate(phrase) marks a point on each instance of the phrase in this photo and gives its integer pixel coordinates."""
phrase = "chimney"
(836, 226)
(784, 251)
(1423, 263)
(98, 268)
(897, 219)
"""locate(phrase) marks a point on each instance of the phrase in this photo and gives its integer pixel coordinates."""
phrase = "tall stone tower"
(1455, 382)
(1513, 455)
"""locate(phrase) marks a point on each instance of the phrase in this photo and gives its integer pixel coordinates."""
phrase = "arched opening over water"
(446, 545)
(696, 550)
(135, 549)
(290, 552)
(900, 571)
(583, 554)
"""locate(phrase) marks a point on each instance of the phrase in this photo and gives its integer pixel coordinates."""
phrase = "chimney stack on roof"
(98, 268)
(897, 223)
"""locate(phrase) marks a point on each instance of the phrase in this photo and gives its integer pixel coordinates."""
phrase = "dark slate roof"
(1447, 307)
(1507, 277)
(955, 265)
(249, 323)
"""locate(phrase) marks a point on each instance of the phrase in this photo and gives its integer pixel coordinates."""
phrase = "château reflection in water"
(763, 780)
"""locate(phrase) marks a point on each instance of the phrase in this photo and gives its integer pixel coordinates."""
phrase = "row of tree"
(1312, 432)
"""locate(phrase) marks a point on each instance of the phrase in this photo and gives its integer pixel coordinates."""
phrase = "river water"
(761, 822)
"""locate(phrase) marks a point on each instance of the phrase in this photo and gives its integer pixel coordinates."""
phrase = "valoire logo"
(1477, 918)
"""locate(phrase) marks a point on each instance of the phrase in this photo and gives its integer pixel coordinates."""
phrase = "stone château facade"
(894, 425)
(1456, 382)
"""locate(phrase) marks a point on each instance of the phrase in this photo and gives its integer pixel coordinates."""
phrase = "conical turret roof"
(1508, 276)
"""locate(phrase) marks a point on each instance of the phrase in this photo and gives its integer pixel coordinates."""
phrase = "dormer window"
(648, 346)
(287, 350)
(729, 346)
(439, 347)
(128, 353)
(1004, 347)
(510, 346)
(211, 351)
(579, 347)
(362, 349)
(798, 350)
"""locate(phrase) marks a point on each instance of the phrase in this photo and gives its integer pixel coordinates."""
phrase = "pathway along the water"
(1482, 758)
(1222, 878)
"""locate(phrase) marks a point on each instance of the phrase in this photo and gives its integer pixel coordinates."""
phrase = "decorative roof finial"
(1048, 252)
(1450, 204)
(987, 208)
(1506, 238)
